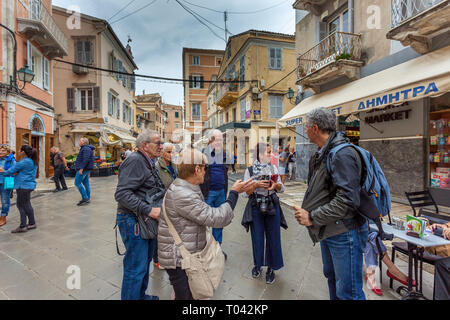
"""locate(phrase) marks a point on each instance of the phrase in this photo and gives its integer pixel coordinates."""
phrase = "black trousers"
(59, 177)
(25, 208)
(442, 279)
(179, 281)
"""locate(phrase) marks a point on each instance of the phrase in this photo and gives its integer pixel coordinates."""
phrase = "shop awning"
(425, 76)
(126, 138)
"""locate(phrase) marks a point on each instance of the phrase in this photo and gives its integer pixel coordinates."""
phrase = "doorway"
(35, 144)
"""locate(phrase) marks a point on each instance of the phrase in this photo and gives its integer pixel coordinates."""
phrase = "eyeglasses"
(157, 143)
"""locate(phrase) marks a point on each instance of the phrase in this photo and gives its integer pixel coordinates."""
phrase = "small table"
(418, 244)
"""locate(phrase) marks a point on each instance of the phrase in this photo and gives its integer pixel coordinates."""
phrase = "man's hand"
(66, 168)
(240, 186)
(2, 170)
(302, 216)
(155, 213)
(80, 171)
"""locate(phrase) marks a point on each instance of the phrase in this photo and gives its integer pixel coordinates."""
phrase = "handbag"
(8, 183)
(204, 269)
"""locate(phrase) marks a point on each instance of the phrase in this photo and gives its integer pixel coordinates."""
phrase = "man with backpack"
(330, 207)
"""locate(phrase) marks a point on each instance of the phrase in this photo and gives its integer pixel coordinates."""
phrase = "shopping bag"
(9, 183)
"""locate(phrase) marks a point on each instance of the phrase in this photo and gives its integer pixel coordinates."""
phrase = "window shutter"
(29, 62)
(190, 82)
(70, 99)
(79, 52)
(96, 99)
(111, 62)
(118, 108)
(124, 106)
(280, 106)
(46, 71)
(130, 119)
(110, 104)
(201, 82)
(321, 31)
(271, 58)
(279, 57)
(133, 83)
(89, 52)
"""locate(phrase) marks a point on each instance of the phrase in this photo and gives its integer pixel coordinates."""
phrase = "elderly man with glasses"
(138, 177)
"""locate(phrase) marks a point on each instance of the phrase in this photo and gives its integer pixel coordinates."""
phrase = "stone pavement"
(34, 264)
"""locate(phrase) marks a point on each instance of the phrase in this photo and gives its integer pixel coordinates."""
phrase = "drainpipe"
(351, 9)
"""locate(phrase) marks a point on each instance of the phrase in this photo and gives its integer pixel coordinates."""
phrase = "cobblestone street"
(36, 262)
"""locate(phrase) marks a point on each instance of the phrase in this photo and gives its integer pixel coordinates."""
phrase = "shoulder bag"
(204, 269)
(9, 183)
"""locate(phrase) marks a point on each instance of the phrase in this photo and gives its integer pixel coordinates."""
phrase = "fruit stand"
(102, 167)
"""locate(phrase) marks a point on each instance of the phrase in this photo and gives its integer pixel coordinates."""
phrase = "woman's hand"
(434, 226)
(274, 186)
(2, 170)
(242, 186)
(263, 184)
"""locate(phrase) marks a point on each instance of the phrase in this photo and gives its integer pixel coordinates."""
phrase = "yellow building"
(257, 61)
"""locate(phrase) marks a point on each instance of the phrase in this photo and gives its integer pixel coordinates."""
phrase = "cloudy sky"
(159, 29)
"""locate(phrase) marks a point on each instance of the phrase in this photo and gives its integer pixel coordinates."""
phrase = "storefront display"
(351, 126)
(439, 142)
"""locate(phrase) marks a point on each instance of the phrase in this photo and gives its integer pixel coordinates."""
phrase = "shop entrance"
(351, 126)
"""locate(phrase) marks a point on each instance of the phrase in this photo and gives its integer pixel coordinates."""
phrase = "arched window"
(37, 125)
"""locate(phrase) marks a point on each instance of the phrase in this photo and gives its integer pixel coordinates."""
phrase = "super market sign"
(376, 102)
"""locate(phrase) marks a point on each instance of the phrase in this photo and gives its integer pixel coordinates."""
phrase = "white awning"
(425, 76)
(126, 138)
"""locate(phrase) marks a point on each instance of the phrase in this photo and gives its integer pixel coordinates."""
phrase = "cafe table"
(416, 248)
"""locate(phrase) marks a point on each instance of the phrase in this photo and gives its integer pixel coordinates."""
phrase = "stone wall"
(402, 161)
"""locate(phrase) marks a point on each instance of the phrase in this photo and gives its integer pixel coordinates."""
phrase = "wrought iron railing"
(338, 45)
(403, 10)
(223, 88)
(40, 13)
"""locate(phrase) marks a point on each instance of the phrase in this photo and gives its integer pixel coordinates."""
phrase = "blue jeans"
(266, 229)
(6, 199)
(342, 257)
(136, 262)
(215, 199)
(82, 183)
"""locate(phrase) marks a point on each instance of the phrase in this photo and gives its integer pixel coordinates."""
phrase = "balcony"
(337, 55)
(415, 22)
(313, 6)
(42, 28)
(226, 94)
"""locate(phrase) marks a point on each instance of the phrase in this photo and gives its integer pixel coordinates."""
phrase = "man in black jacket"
(329, 207)
(137, 177)
(215, 186)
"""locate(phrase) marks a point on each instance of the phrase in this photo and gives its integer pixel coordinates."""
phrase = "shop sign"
(397, 96)
(248, 109)
(385, 117)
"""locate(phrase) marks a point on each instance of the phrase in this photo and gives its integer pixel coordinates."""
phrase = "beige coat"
(190, 215)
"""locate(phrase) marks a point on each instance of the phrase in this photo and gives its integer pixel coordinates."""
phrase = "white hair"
(167, 145)
(145, 136)
(84, 140)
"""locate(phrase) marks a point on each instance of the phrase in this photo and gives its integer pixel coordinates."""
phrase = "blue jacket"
(10, 161)
(26, 174)
(85, 158)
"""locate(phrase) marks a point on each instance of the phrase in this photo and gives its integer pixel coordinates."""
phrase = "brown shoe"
(2, 221)
(19, 230)
(31, 226)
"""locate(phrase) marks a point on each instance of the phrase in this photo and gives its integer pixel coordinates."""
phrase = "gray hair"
(324, 118)
(166, 146)
(145, 136)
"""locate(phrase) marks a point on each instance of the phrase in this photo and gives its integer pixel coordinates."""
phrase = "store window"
(351, 125)
(439, 142)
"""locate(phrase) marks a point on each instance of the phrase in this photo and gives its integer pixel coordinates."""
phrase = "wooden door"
(49, 142)
(23, 137)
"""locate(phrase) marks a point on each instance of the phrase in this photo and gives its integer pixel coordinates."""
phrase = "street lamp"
(290, 94)
(25, 75)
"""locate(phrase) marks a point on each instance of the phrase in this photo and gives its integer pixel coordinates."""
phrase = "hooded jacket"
(85, 158)
(332, 197)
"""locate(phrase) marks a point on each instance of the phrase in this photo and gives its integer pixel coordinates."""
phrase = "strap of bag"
(117, 244)
(184, 252)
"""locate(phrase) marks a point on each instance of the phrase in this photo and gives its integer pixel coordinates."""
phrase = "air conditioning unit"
(80, 70)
